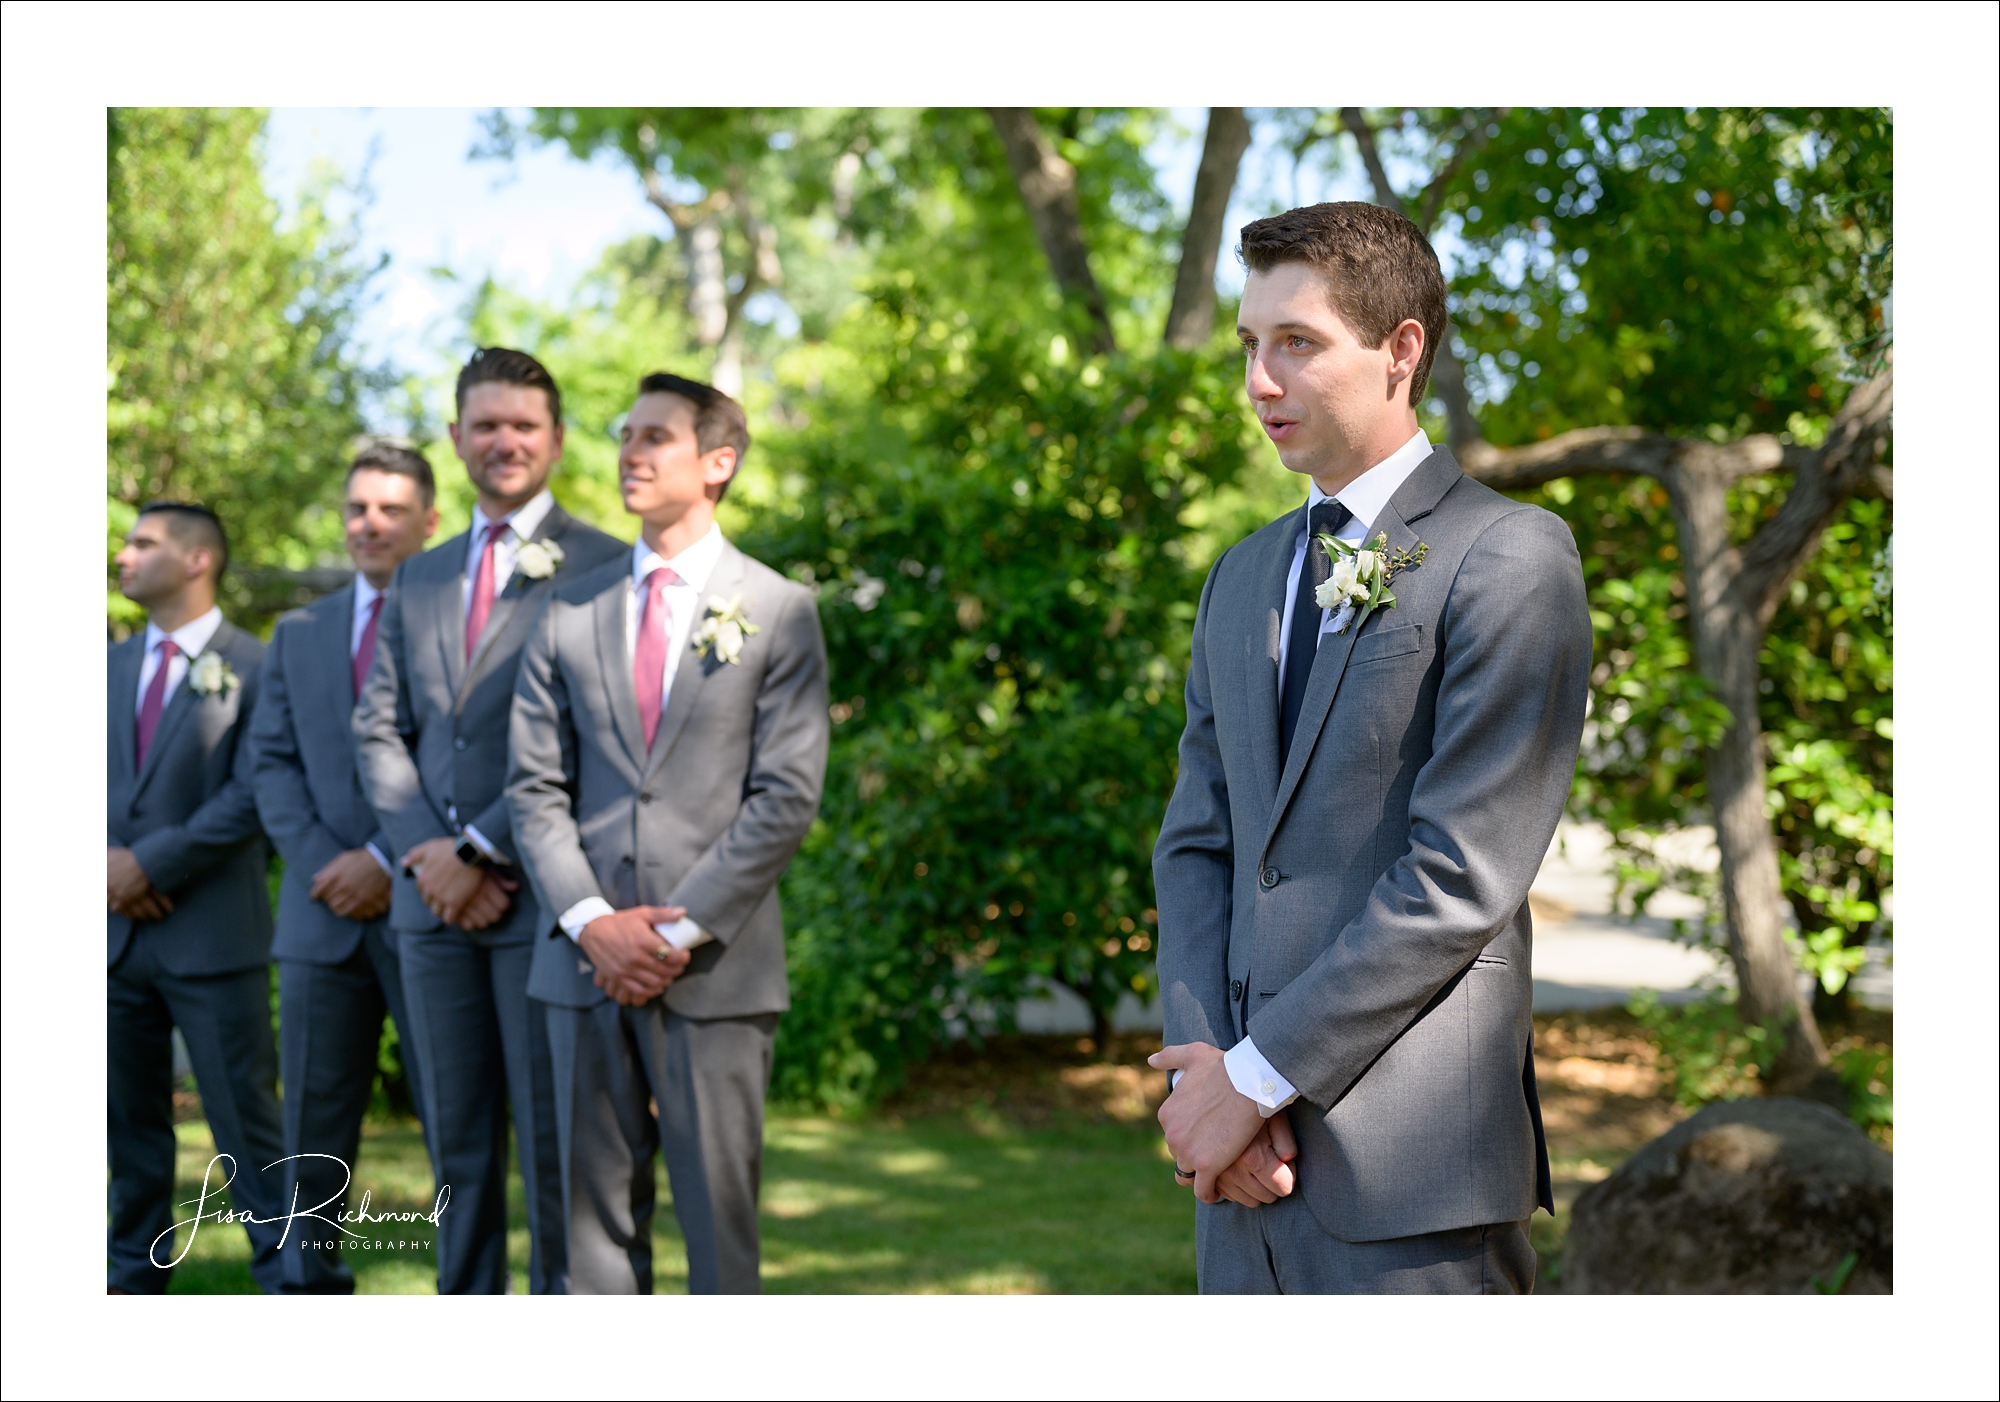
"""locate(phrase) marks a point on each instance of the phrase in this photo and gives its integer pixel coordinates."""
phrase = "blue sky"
(540, 222)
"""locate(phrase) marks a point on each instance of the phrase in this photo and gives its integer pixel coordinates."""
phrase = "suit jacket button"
(459, 743)
(645, 798)
(1269, 877)
(1236, 988)
(626, 860)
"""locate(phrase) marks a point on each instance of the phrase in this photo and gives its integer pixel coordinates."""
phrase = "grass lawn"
(1034, 1165)
(1051, 1179)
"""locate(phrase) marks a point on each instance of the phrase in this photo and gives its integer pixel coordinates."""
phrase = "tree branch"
(1191, 318)
(1364, 137)
(1846, 461)
(1624, 451)
(1047, 184)
(1433, 194)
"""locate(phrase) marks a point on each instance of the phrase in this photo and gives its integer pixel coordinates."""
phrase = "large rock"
(1751, 1197)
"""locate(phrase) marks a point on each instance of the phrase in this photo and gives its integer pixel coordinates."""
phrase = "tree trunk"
(1727, 638)
(1191, 318)
(1448, 382)
(1047, 184)
(708, 286)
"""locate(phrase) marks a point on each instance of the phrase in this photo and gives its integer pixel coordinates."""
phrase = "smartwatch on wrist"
(468, 852)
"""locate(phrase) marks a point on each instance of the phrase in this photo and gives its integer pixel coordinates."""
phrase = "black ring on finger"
(1183, 1173)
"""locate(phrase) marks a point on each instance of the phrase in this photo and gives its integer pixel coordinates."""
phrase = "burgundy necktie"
(482, 590)
(364, 654)
(649, 655)
(156, 698)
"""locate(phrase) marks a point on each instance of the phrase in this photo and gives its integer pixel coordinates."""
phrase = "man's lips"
(1279, 429)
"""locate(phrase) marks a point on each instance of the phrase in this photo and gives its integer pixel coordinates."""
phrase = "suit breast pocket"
(1387, 644)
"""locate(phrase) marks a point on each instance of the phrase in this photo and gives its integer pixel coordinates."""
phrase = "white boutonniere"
(210, 675)
(723, 628)
(538, 559)
(1359, 583)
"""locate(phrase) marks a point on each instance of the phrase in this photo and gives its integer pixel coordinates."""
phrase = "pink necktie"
(156, 698)
(482, 590)
(365, 653)
(649, 656)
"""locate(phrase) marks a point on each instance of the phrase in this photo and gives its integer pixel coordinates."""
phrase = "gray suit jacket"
(708, 818)
(308, 788)
(432, 728)
(1362, 912)
(189, 815)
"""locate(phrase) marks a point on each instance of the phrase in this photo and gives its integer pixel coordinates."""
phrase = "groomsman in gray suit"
(1365, 793)
(432, 732)
(190, 915)
(338, 973)
(670, 737)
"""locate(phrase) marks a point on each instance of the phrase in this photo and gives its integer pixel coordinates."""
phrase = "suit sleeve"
(226, 819)
(781, 794)
(284, 801)
(541, 776)
(1515, 641)
(1194, 865)
(384, 730)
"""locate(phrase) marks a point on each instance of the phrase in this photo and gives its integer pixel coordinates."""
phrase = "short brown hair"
(499, 365)
(194, 527)
(402, 461)
(718, 419)
(1380, 269)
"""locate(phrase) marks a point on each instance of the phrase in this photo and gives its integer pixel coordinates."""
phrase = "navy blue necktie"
(1302, 642)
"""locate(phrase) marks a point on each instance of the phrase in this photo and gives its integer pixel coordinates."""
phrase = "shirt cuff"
(1257, 1078)
(382, 861)
(683, 934)
(581, 914)
(487, 849)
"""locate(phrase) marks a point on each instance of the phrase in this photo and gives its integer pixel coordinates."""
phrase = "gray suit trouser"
(483, 1050)
(1281, 1249)
(707, 1078)
(225, 1019)
(329, 1039)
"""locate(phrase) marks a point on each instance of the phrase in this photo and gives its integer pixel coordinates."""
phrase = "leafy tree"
(233, 376)
(1718, 276)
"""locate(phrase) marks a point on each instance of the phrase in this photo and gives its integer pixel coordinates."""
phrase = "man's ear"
(1406, 352)
(198, 562)
(718, 467)
(430, 522)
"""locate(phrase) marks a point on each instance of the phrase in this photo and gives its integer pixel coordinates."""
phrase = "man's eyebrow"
(1283, 328)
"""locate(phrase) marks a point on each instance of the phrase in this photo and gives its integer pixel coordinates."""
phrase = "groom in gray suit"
(432, 736)
(338, 972)
(1384, 703)
(190, 916)
(670, 738)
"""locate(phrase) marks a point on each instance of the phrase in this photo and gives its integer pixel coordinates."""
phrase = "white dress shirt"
(190, 638)
(523, 523)
(365, 594)
(693, 566)
(1364, 497)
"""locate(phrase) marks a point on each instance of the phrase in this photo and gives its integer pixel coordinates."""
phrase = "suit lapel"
(442, 596)
(1263, 658)
(1414, 500)
(693, 672)
(184, 701)
(608, 621)
(126, 660)
(332, 634)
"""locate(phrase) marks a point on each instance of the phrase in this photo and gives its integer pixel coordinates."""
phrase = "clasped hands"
(469, 897)
(129, 891)
(353, 886)
(1216, 1130)
(634, 961)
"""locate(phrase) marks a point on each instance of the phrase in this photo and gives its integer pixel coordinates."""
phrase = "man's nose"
(1258, 380)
